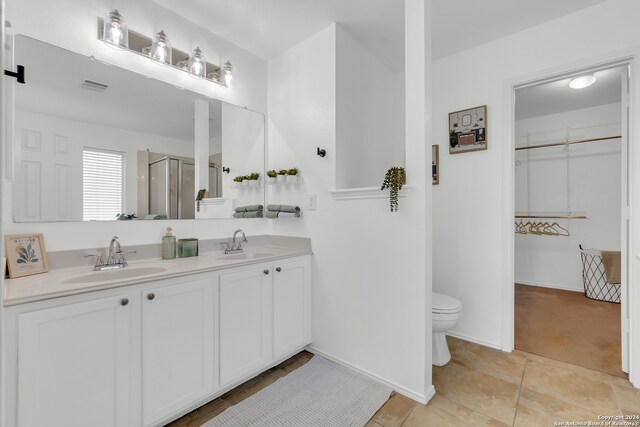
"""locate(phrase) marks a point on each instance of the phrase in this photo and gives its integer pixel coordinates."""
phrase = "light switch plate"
(312, 202)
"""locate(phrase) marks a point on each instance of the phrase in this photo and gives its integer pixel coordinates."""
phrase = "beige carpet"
(568, 326)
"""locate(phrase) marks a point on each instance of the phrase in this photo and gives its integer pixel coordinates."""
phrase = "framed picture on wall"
(468, 130)
(26, 255)
(435, 164)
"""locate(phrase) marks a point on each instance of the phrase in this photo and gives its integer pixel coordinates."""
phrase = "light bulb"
(582, 81)
(115, 32)
(227, 71)
(197, 64)
(161, 49)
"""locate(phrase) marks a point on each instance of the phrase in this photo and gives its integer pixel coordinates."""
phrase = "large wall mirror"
(95, 142)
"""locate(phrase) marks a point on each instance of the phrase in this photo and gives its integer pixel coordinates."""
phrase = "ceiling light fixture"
(197, 64)
(115, 32)
(582, 81)
(161, 49)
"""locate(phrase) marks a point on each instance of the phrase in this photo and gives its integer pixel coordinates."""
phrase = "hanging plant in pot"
(282, 175)
(202, 193)
(394, 180)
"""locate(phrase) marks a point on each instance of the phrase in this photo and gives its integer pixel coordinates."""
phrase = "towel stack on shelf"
(283, 211)
(251, 211)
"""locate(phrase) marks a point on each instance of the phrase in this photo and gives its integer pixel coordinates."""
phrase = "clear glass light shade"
(197, 66)
(161, 49)
(582, 81)
(227, 74)
(115, 32)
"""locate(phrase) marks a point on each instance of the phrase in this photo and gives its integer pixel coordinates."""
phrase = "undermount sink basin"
(119, 274)
(244, 256)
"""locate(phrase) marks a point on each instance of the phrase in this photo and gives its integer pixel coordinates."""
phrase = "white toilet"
(445, 313)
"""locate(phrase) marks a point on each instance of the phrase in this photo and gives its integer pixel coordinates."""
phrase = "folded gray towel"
(283, 208)
(253, 214)
(250, 208)
(276, 214)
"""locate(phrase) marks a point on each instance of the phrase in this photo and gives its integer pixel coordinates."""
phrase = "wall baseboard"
(420, 398)
(546, 285)
(475, 340)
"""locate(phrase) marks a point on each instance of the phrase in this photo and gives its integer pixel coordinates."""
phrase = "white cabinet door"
(177, 347)
(291, 307)
(245, 327)
(74, 364)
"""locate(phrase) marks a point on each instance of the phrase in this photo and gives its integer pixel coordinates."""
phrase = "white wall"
(468, 203)
(371, 284)
(73, 25)
(81, 135)
(370, 115)
(594, 178)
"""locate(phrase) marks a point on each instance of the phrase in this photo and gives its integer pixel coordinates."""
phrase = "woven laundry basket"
(594, 279)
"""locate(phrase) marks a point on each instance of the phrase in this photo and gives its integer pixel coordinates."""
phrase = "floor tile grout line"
(615, 395)
(515, 414)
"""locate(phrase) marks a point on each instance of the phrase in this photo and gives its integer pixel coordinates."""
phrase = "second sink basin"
(121, 273)
(244, 256)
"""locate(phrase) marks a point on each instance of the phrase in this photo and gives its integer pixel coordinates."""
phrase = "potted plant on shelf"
(282, 175)
(394, 179)
(254, 179)
(245, 181)
(272, 177)
(237, 181)
(292, 175)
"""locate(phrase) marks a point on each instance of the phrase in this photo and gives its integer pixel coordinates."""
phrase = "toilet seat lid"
(445, 304)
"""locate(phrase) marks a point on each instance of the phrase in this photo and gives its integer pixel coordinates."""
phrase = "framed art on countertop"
(26, 255)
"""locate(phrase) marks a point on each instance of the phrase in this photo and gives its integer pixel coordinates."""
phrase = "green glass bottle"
(169, 245)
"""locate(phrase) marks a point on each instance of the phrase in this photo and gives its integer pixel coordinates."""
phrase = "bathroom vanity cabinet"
(145, 354)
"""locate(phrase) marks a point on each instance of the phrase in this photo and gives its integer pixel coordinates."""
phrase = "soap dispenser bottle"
(169, 245)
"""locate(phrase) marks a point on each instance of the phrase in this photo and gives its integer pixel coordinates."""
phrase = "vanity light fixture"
(197, 64)
(115, 32)
(161, 49)
(582, 81)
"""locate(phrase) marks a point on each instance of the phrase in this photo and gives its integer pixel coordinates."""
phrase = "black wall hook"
(226, 170)
(19, 74)
(321, 152)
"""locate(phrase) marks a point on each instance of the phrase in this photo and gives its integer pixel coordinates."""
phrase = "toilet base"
(441, 355)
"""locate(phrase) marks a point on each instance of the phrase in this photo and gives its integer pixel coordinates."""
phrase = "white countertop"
(69, 281)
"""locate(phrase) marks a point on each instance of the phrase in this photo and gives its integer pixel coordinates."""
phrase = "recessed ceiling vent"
(94, 86)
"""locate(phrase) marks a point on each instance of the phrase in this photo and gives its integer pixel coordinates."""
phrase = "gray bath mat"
(320, 393)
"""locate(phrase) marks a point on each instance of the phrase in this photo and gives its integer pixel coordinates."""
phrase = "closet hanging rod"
(557, 144)
(551, 217)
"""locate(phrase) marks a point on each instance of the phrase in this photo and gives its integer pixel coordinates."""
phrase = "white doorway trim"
(508, 186)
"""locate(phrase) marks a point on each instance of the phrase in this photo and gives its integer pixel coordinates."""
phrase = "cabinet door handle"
(278, 269)
(124, 301)
(266, 271)
(151, 296)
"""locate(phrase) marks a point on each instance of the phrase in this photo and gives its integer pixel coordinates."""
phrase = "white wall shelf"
(366, 193)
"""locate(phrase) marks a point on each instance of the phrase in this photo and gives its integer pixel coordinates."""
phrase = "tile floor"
(479, 387)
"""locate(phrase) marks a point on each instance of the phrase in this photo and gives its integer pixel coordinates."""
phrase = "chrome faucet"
(115, 258)
(233, 248)
(114, 249)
